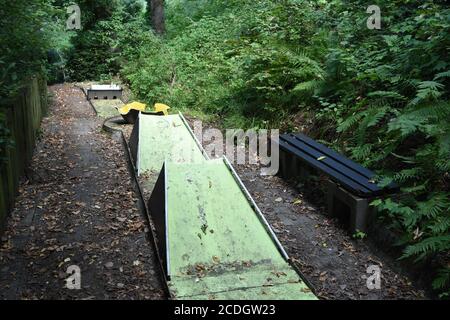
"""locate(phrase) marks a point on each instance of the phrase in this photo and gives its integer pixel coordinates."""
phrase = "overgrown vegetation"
(379, 96)
(25, 35)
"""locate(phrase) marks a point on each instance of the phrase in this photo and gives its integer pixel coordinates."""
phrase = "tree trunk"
(155, 9)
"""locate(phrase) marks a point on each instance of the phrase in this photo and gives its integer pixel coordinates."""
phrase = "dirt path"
(77, 207)
(334, 262)
(331, 260)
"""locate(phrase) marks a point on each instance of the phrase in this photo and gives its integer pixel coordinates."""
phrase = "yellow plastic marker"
(159, 107)
(132, 106)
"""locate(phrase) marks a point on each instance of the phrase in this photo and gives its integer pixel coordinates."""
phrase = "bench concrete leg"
(283, 170)
(330, 200)
(303, 172)
(292, 168)
(295, 168)
(359, 215)
(360, 212)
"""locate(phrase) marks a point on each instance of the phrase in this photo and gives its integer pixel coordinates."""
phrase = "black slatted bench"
(349, 183)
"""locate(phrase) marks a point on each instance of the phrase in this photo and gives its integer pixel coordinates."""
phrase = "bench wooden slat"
(332, 164)
(335, 155)
(355, 187)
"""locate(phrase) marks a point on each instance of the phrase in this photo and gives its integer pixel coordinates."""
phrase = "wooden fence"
(23, 118)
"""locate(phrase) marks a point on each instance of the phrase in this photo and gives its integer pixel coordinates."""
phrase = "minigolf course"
(217, 246)
(156, 139)
(213, 241)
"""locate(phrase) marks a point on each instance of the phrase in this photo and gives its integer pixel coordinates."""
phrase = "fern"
(433, 110)
(444, 144)
(442, 280)
(434, 206)
(416, 189)
(361, 152)
(443, 165)
(441, 75)
(406, 124)
(427, 90)
(440, 226)
(407, 174)
(427, 247)
(350, 122)
(418, 118)
(387, 95)
(307, 86)
(395, 207)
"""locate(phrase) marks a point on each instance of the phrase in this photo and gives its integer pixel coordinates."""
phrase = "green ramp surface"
(162, 138)
(218, 246)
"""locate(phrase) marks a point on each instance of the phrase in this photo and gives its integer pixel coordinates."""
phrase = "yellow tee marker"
(132, 106)
(159, 107)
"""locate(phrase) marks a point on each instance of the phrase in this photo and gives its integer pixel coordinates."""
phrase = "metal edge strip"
(138, 149)
(256, 208)
(166, 218)
(193, 136)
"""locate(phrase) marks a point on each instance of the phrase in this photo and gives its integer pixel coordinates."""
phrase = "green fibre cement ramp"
(209, 215)
(162, 138)
(248, 282)
(218, 246)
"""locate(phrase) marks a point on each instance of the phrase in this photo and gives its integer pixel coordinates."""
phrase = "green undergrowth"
(381, 97)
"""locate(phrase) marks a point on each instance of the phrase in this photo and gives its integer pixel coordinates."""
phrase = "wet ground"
(77, 207)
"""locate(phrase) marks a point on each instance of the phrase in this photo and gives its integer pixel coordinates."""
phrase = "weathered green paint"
(218, 247)
(107, 108)
(164, 138)
(23, 115)
(248, 282)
